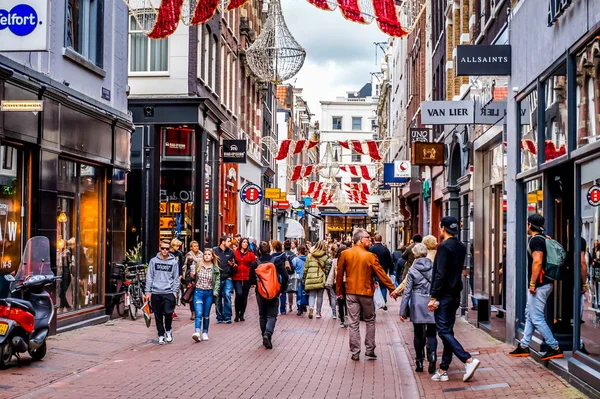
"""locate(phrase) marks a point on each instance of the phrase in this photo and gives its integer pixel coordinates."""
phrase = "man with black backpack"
(269, 276)
(543, 269)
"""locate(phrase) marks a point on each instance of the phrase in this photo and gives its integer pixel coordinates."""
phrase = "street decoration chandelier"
(159, 19)
(275, 55)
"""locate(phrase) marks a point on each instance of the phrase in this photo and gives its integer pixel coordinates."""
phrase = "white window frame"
(341, 123)
(361, 123)
(145, 73)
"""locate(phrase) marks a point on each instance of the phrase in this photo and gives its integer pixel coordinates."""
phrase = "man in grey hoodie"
(162, 284)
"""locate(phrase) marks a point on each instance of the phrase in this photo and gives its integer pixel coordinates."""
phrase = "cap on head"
(450, 224)
(537, 222)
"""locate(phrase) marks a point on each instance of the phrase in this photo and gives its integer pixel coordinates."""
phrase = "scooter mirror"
(9, 277)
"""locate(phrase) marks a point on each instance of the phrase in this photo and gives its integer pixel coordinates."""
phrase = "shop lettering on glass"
(183, 195)
(420, 134)
(8, 233)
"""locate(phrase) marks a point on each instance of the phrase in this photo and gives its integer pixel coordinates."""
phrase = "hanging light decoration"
(275, 56)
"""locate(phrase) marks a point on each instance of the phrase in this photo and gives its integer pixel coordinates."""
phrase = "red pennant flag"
(299, 146)
(167, 19)
(387, 18)
(308, 170)
(312, 144)
(373, 150)
(365, 188)
(233, 4)
(322, 4)
(343, 168)
(297, 172)
(205, 10)
(344, 144)
(284, 150)
(358, 146)
(353, 170)
(365, 172)
(351, 10)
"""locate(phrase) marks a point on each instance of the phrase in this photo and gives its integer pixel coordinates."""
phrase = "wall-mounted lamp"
(62, 218)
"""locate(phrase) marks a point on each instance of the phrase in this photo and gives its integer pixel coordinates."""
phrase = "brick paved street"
(310, 359)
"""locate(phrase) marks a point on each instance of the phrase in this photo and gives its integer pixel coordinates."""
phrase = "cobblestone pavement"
(310, 359)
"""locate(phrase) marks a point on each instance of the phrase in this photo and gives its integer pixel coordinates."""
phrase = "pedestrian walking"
(314, 278)
(244, 258)
(207, 277)
(431, 243)
(175, 245)
(416, 298)
(298, 263)
(385, 260)
(162, 285)
(227, 265)
(192, 259)
(342, 310)
(330, 282)
(408, 255)
(268, 272)
(446, 286)
(540, 288)
(360, 267)
(288, 257)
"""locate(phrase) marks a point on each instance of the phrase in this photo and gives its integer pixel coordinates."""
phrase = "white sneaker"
(204, 336)
(161, 340)
(440, 377)
(334, 317)
(169, 338)
(196, 337)
(470, 369)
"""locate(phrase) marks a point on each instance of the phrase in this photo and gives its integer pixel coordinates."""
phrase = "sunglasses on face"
(164, 248)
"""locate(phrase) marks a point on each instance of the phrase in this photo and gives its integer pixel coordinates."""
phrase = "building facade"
(63, 169)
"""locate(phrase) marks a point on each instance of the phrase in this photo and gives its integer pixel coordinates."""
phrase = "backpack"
(267, 280)
(555, 258)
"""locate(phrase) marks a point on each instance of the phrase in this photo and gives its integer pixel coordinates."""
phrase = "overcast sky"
(340, 54)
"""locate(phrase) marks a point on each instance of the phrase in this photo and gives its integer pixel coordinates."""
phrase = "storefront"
(62, 175)
(174, 185)
(340, 225)
(555, 170)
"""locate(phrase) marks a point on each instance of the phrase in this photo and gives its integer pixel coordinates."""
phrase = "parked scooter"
(25, 316)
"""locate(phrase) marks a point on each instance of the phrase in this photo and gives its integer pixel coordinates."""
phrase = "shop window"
(588, 94)
(79, 227)
(146, 55)
(555, 95)
(177, 184)
(528, 128)
(84, 28)
(535, 197)
(590, 246)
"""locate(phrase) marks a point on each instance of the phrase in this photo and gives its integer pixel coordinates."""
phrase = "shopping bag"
(378, 298)
(146, 311)
(293, 283)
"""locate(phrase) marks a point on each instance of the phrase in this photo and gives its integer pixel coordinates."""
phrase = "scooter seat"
(21, 304)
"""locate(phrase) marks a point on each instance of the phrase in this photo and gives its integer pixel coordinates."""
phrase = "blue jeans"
(301, 300)
(445, 317)
(535, 316)
(203, 300)
(224, 301)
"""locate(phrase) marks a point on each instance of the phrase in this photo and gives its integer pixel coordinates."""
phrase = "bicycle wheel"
(134, 305)
(122, 304)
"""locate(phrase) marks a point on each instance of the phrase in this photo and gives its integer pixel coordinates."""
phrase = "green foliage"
(134, 255)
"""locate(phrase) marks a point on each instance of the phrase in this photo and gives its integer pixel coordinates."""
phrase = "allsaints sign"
(483, 60)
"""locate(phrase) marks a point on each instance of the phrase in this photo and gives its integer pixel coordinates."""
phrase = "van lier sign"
(24, 25)
(468, 112)
(483, 60)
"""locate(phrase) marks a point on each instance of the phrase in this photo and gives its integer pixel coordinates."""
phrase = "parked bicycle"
(135, 283)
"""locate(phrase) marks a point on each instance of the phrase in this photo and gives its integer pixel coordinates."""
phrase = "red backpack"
(267, 280)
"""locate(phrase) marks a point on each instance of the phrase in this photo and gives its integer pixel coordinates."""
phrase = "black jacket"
(226, 259)
(384, 256)
(278, 261)
(447, 269)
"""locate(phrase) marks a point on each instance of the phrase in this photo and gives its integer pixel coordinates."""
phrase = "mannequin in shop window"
(66, 259)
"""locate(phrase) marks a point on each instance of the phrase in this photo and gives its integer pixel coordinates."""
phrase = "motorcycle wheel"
(39, 353)
(6, 353)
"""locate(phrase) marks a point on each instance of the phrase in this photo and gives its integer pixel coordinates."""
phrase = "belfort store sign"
(24, 25)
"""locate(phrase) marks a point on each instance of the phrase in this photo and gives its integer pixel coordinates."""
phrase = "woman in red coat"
(244, 257)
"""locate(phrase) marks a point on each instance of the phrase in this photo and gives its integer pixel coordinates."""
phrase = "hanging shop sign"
(21, 105)
(593, 196)
(234, 151)
(389, 178)
(402, 169)
(428, 154)
(483, 60)
(251, 194)
(281, 205)
(24, 25)
(556, 8)
(272, 193)
(467, 112)
(423, 134)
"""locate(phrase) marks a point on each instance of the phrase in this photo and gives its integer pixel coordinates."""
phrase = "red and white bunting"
(357, 145)
(294, 147)
(301, 172)
(359, 171)
(359, 187)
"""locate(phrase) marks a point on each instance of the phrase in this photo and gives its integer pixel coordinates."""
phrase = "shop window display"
(79, 226)
(590, 246)
(10, 212)
(528, 126)
(555, 95)
(588, 94)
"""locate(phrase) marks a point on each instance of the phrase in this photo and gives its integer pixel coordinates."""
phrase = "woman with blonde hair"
(206, 276)
(192, 259)
(431, 244)
(315, 276)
